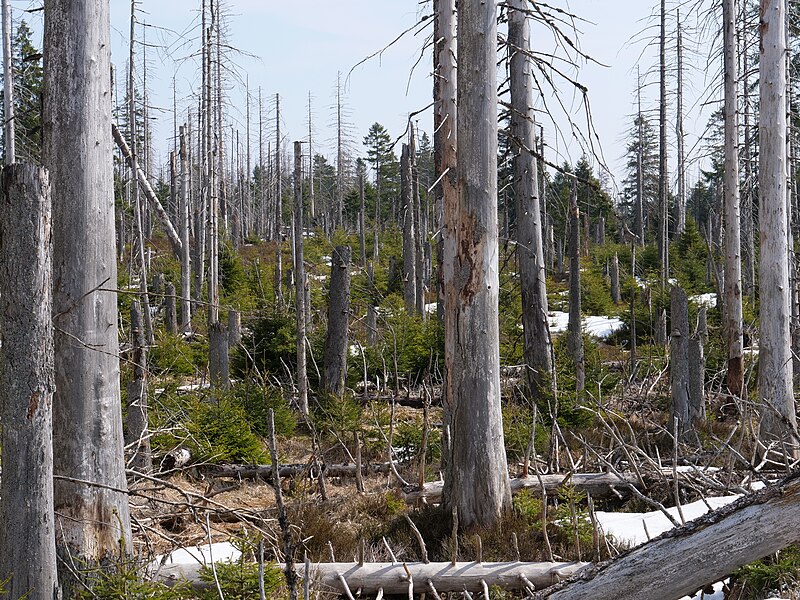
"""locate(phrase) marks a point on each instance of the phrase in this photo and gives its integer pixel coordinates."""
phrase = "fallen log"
(395, 578)
(598, 485)
(704, 551)
(163, 218)
(293, 470)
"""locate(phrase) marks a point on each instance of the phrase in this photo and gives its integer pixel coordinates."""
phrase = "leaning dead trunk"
(709, 548)
(27, 537)
(476, 481)
(336, 346)
(87, 421)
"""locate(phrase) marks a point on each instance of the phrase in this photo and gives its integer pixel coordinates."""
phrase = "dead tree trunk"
(234, 328)
(778, 421)
(218, 369)
(87, 421)
(137, 435)
(680, 201)
(186, 265)
(530, 253)
(663, 183)
(27, 383)
(170, 309)
(616, 296)
(8, 87)
(679, 360)
(476, 481)
(336, 340)
(732, 313)
(697, 378)
(574, 333)
(684, 560)
(299, 281)
(409, 249)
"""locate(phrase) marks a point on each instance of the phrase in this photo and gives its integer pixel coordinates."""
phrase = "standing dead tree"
(336, 346)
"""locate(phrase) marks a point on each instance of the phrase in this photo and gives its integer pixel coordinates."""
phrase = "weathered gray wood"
(476, 480)
(393, 578)
(616, 296)
(697, 376)
(336, 340)
(137, 435)
(661, 337)
(702, 323)
(186, 262)
(680, 200)
(530, 253)
(144, 184)
(300, 281)
(663, 176)
(87, 420)
(234, 328)
(170, 309)
(27, 383)
(409, 249)
(419, 232)
(8, 88)
(598, 485)
(574, 332)
(707, 549)
(679, 359)
(732, 315)
(778, 421)
(218, 368)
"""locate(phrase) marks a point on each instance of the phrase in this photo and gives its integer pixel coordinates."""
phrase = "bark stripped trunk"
(300, 278)
(574, 333)
(778, 421)
(679, 360)
(409, 249)
(663, 184)
(680, 201)
(186, 265)
(733, 262)
(336, 340)
(526, 189)
(87, 420)
(27, 383)
(476, 482)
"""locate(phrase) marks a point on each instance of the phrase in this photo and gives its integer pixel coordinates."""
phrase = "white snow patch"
(597, 326)
(708, 300)
(218, 552)
(430, 308)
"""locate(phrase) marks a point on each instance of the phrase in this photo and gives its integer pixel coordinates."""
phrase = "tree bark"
(218, 368)
(27, 383)
(87, 420)
(616, 296)
(530, 254)
(336, 340)
(778, 421)
(476, 481)
(409, 249)
(170, 310)
(186, 266)
(682, 561)
(8, 88)
(697, 378)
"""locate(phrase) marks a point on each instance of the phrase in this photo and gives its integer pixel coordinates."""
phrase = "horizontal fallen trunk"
(265, 471)
(141, 176)
(598, 485)
(681, 561)
(395, 578)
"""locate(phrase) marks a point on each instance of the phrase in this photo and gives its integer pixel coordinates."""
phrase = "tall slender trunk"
(680, 201)
(733, 264)
(638, 209)
(476, 481)
(278, 231)
(8, 87)
(530, 254)
(136, 432)
(87, 420)
(409, 254)
(210, 184)
(778, 421)
(574, 332)
(186, 265)
(663, 183)
(336, 346)
(299, 279)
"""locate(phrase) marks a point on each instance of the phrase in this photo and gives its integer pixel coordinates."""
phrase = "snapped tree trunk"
(476, 481)
(87, 420)
(137, 435)
(336, 340)
(27, 383)
(530, 254)
(170, 309)
(697, 377)
(778, 422)
(218, 346)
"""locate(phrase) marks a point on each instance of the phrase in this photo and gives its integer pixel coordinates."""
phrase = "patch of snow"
(430, 308)
(708, 300)
(218, 552)
(597, 326)
(326, 260)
